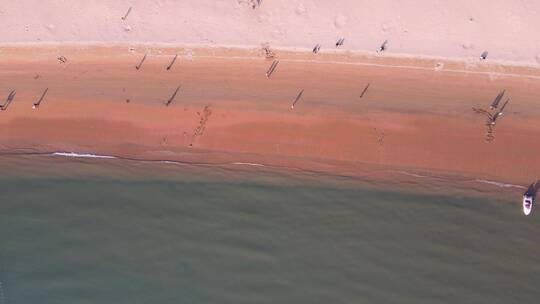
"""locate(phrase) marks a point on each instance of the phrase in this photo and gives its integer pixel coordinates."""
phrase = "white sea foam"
(411, 174)
(171, 162)
(80, 155)
(499, 184)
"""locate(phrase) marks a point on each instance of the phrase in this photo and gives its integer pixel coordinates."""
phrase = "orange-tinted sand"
(411, 117)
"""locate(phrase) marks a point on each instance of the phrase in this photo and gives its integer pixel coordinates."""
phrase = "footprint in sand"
(340, 21)
(266, 17)
(189, 54)
(389, 26)
(278, 33)
(253, 4)
(301, 10)
(493, 76)
(198, 132)
(386, 27)
(380, 134)
(50, 27)
(471, 62)
(467, 46)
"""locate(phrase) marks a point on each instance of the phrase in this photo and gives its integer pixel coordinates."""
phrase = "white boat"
(527, 204)
(528, 199)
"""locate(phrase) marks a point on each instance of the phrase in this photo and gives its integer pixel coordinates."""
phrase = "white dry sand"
(459, 29)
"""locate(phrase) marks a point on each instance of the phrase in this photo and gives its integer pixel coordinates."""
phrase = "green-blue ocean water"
(141, 236)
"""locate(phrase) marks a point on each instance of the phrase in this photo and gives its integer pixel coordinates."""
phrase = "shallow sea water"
(107, 231)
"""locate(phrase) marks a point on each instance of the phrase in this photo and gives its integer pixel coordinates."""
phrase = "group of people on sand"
(11, 97)
(492, 117)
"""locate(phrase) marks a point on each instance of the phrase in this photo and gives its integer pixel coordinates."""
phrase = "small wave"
(89, 155)
(499, 184)
(248, 164)
(81, 155)
(234, 163)
(166, 162)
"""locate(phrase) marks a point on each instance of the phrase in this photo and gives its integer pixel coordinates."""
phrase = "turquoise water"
(179, 236)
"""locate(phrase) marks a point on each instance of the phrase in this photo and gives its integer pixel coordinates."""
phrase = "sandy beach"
(416, 113)
(458, 29)
(413, 115)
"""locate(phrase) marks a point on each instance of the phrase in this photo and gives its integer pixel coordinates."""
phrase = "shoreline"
(402, 122)
(369, 177)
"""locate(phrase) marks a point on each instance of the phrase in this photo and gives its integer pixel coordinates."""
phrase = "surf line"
(499, 184)
(90, 155)
(177, 162)
(248, 164)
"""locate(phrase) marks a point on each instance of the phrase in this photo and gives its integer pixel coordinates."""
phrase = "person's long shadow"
(533, 189)
(9, 99)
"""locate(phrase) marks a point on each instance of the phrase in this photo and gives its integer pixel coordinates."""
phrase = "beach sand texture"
(412, 116)
(459, 29)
